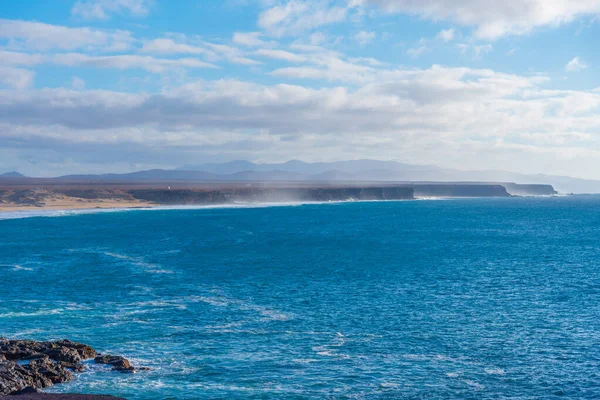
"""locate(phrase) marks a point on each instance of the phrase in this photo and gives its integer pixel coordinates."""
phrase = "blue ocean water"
(457, 299)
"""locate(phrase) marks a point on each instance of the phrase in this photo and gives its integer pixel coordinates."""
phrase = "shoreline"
(34, 211)
(24, 211)
(75, 205)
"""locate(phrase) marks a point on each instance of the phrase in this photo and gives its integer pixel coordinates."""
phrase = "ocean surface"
(455, 299)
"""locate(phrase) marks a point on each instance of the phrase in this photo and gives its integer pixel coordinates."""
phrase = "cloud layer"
(453, 112)
(287, 88)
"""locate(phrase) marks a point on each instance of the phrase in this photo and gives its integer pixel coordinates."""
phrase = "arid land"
(23, 194)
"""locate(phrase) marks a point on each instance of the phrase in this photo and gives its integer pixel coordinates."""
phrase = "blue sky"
(122, 85)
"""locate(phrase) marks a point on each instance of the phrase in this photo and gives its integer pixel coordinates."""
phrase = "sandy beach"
(76, 204)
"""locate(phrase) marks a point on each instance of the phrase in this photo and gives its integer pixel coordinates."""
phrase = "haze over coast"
(246, 182)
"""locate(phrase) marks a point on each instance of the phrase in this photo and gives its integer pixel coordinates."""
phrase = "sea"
(430, 299)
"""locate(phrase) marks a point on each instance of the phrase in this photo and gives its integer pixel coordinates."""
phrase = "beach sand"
(76, 204)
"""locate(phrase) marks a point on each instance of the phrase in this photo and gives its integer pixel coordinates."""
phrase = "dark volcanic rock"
(118, 363)
(49, 363)
(37, 374)
(47, 396)
(61, 350)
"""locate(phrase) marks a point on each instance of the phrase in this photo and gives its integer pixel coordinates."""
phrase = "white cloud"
(40, 36)
(249, 39)
(102, 9)
(410, 114)
(297, 16)
(575, 65)
(477, 50)
(281, 55)
(16, 78)
(22, 59)
(364, 37)
(446, 35)
(482, 49)
(211, 51)
(77, 83)
(317, 38)
(147, 63)
(416, 52)
(230, 53)
(490, 20)
(124, 61)
(169, 46)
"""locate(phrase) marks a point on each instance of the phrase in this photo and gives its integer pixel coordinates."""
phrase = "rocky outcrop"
(27, 366)
(60, 350)
(38, 374)
(47, 396)
(517, 189)
(118, 363)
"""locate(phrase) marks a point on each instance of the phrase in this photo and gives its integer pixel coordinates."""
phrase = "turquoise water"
(458, 299)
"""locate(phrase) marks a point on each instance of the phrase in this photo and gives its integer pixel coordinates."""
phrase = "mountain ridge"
(12, 174)
(363, 171)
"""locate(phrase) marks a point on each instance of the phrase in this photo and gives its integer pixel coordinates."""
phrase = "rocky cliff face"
(318, 194)
(529, 190)
(460, 190)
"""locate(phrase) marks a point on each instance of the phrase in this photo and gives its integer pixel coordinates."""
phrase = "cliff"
(118, 195)
(459, 190)
(529, 190)
(319, 194)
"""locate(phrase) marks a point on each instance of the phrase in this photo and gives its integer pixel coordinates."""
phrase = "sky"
(98, 86)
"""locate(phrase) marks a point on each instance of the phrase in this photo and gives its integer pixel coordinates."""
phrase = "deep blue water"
(458, 299)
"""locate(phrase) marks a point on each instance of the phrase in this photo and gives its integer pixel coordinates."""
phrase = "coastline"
(107, 206)
(33, 201)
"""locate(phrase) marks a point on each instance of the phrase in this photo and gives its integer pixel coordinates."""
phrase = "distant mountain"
(301, 167)
(12, 174)
(148, 175)
(339, 172)
(375, 170)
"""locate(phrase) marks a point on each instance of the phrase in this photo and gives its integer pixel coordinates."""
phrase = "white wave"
(139, 261)
(433, 198)
(226, 326)
(332, 349)
(21, 268)
(389, 385)
(32, 314)
(267, 313)
(304, 360)
(213, 301)
(495, 371)
(475, 385)
(59, 213)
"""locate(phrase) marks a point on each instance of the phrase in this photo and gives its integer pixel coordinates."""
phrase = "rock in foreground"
(27, 366)
(47, 396)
